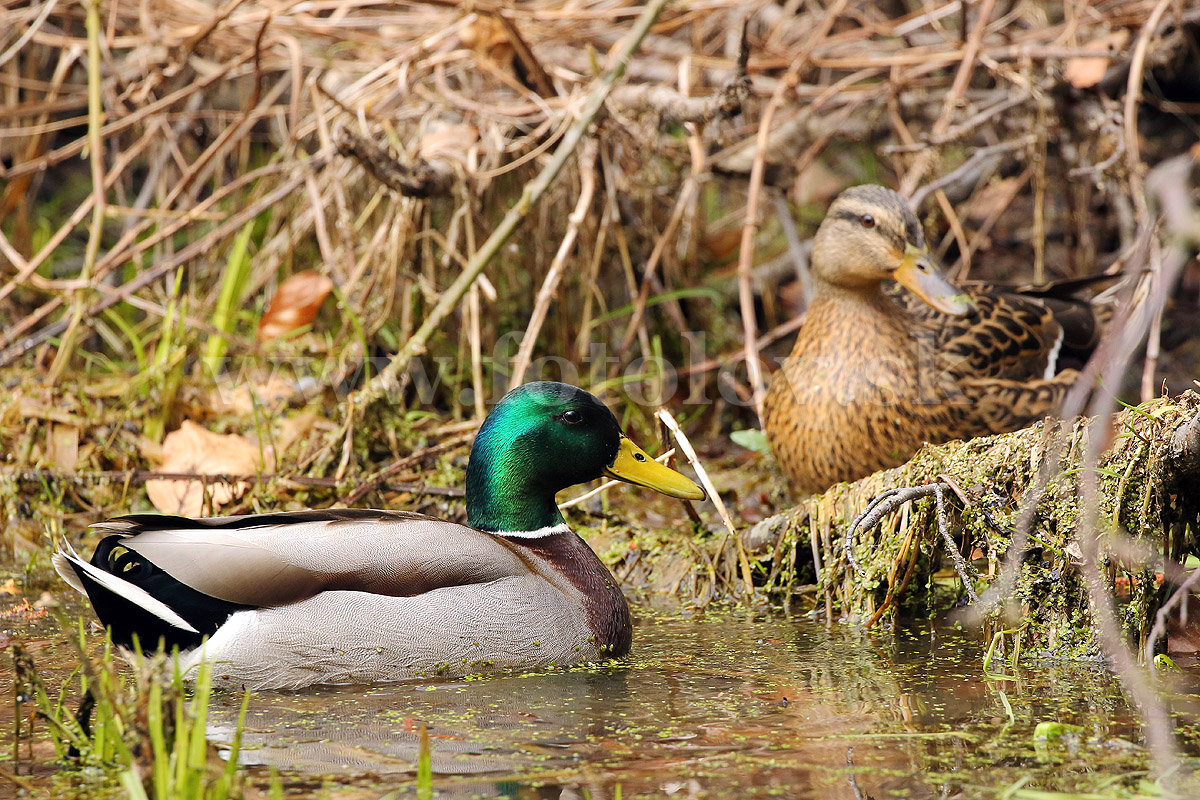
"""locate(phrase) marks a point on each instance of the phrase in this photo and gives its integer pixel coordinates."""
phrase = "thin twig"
(541, 306)
(689, 453)
(757, 174)
(396, 467)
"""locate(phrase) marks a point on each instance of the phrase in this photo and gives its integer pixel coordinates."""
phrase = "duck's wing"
(1007, 335)
(1016, 332)
(270, 559)
(1006, 364)
(199, 571)
(996, 405)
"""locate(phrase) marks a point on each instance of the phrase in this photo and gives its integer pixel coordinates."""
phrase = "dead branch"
(674, 107)
(422, 178)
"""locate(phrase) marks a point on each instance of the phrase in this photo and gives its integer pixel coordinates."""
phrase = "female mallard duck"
(873, 377)
(354, 595)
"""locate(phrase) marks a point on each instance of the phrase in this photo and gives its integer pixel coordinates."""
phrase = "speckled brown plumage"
(876, 373)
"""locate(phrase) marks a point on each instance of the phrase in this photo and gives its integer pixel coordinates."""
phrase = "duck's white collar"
(540, 533)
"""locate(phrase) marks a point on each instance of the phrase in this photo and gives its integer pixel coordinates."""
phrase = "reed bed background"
(168, 166)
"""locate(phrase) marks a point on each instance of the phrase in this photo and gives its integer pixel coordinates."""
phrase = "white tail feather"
(1052, 356)
(62, 565)
(66, 560)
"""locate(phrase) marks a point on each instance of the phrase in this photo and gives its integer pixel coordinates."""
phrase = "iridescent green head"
(541, 438)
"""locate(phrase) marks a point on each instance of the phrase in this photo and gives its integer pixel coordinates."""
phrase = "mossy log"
(1149, 485)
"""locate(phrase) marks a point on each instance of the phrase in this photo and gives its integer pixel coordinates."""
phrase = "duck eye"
(868, 221)
(571, 417)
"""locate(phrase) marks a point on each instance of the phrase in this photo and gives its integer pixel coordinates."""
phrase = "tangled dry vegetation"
(185, 183)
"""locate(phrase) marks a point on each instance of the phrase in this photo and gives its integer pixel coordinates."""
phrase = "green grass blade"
(237, 269)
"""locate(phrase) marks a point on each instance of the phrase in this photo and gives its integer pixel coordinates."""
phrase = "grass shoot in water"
(144, 731)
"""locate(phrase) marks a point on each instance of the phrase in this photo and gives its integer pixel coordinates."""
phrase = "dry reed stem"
(750, 228)
(587, 190)
(533, 192)
(689, 453)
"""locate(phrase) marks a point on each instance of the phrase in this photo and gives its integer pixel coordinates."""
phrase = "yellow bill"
(632, 465)
(919, 275)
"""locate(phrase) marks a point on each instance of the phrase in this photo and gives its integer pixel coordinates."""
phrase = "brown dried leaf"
(487, 37)
(193, 448)
(295, 304)
(1082, 72)
(64, 447)
(239, 395)
(719, 246)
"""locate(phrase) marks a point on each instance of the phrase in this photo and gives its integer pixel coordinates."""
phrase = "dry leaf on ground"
(487, 37)
(295, 304)
(193, 448)
(238, 394)
(64, 447)
(1083, 72)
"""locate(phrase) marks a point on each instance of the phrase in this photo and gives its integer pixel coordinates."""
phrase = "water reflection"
(726, 705)
(493, 725)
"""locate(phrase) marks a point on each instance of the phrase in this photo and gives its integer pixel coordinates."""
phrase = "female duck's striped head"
(871, 234)
(541, 438)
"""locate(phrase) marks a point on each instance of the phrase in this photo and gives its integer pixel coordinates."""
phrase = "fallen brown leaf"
(23, 609)
(486, 36)
(195, 449)
(295, 304)
(1083, 72)
(64, 446)
(721, 245)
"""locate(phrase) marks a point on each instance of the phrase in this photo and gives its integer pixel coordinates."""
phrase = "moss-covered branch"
(1150, 484)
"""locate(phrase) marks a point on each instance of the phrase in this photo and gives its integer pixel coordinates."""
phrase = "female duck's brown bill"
(919, 274)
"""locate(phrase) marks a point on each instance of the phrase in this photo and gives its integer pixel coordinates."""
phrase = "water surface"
(716, 705)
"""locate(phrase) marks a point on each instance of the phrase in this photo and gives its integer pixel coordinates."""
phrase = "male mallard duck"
(872, 377)
(355, 595)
